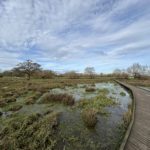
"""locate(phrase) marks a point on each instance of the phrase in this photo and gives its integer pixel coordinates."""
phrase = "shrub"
(90, 89)
(61, 98)
(89, 117)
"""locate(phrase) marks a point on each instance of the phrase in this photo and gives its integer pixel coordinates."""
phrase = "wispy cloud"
(72, 34)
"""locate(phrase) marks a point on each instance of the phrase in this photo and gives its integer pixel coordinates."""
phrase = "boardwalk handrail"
(127, 134)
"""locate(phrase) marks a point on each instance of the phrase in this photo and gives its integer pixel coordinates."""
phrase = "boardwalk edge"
(127, 134)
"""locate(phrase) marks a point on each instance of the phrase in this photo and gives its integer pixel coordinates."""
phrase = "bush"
(61, 98)
(89, 117)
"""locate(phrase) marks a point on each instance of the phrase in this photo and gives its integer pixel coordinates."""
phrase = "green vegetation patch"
(31, 132)
(122, 93)
(98, 103)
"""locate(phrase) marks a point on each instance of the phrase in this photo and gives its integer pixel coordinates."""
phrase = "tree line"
(30, 68)
(136, 71)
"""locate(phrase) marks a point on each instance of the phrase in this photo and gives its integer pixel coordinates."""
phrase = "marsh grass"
(127, 116)
(2, 103)
(90, 89)
(58, 98)
(89, 117)
(103, 91)
(31, 132)
(98, 103)
(14, 107)
(33, 98)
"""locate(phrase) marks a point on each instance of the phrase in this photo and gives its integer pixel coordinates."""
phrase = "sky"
(64, 35)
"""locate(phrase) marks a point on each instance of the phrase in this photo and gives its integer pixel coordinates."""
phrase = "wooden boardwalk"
(139, 137)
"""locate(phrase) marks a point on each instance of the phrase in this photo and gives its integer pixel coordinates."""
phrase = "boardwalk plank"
(139, 138)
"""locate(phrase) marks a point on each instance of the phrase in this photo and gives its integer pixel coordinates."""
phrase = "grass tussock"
(32, 132)
(90, 89)
(2, 103)
(97, 103)
(32, 99)
(15, 107)
(89, 117)
(59, 98)
(122, 93)
(127, 117)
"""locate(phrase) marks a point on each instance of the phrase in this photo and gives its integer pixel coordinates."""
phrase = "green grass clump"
(32, 132)
(59, 98)
(98, 103)
(89, 117)
(122, 94)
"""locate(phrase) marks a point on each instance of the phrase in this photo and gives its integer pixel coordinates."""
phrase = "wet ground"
(107, 133)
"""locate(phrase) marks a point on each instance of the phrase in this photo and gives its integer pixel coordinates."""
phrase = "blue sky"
(72, 34)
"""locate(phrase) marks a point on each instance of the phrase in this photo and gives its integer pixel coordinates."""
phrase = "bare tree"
(90, 71)
(138, 70)
(28, 68)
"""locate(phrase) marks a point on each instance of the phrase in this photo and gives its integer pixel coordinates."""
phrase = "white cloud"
(62, 32)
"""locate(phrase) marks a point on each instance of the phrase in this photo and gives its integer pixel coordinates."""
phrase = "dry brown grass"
(127, 118)
(90, 89)
(60, 98)
(89, 117)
